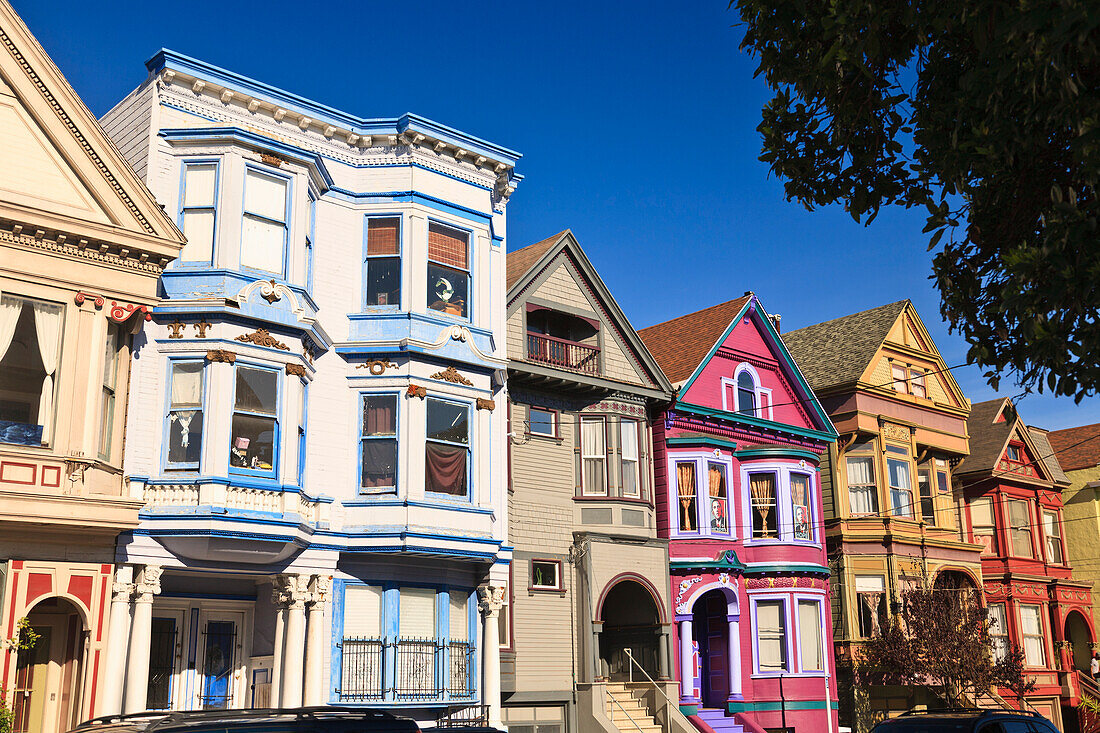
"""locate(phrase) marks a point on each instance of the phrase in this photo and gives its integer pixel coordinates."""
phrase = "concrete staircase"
(632, 713)
(719, 721)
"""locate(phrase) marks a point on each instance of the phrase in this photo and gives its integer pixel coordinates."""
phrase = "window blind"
(771, 636)
(459, 617)
(363, 611)
(447, 246)
(382, 236)
(417, 613)
(809, 635)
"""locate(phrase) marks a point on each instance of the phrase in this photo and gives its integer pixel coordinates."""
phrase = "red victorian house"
(739, 499)
(1012, 485)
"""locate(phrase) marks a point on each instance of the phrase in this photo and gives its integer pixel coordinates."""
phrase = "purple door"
(714, 649)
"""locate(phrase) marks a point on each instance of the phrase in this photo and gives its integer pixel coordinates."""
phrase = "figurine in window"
(238, 452)
(444, 291)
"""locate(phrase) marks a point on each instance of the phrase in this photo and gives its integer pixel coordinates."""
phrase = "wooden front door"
(713, 635)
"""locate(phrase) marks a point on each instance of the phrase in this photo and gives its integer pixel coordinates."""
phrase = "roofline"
(408, 122)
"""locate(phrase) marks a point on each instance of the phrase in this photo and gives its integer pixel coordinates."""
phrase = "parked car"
(966, 721)
(294, 720)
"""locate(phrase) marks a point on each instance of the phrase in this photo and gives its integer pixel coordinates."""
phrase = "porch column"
(662, 654)
(315, 641)
(296, 594)
(118, 636)
(597, 663)
(137, 671)
(276, 690)
(735, 658)
(687, 671)
(490, 600)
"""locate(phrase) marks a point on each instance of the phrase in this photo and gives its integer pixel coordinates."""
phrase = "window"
(361, 650)
(378, 444)
(593, 456)
(1052, 535)
(628, 450)
(810, 627)
(115, 342)
(1019, 527)
(862, 491)
(263, 232)
(746, 393)
(185, 414)
(901, 487)
(998, 631)
(899, 375)
(448, 270)
(981, 519)
(197, 211)
(541, 421)
(771, 635)
(447, 448)
(909, 380)
(546, 574)
(460, 652)
(916, 383)
(303, 415)
(688, 496)
(30, 350)
(762, 491)
(1031, 628)
(504, 624)
(382, 274)
(416, 645)
(1013, 453)
(719, 498)
(311, 224)
(871, 602)
(801, 516)
(927, 500)
(943, 481)
(255, 410)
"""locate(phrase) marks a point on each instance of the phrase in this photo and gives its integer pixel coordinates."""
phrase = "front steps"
(632, 714)
(719, 721)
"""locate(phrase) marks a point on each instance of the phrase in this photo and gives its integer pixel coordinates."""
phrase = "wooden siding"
(828, 494)
(660, 476)
(128, 125)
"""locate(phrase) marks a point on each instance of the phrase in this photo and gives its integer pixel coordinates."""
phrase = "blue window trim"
(184, 165)
(470, 263)
(276, 438)
(310, 239)
(171, 362)
(303, 423)
(374, 491)
(469, 448)
(400, 258)
(261, 170)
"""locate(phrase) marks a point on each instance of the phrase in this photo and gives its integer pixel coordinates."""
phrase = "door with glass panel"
(165, 645)
(220, 678)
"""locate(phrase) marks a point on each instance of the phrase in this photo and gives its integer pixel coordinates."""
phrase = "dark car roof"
(947, 721)
(304, 720)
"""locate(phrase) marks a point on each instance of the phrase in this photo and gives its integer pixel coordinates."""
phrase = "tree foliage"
(986, 113)
(25, 638)
(940, 639)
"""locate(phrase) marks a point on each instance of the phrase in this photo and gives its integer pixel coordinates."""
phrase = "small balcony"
(563, 353)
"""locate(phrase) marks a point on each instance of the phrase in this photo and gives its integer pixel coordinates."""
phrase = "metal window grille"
(219, 653)
(361, 670)
(472, 716)
(416, 669)
(461, 666)
(161, 663)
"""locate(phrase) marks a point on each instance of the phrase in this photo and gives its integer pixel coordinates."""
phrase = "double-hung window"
(718, 491)
(771, 635)
(762, 491)
(116, 340)
(447, 448)
(927, 498)
(184, 423)
(1031, 628)
(901, 483)
(801, 516)
(198, 215)
(264, 229)
(998, 631)
(909, 380)
(254, 436)
(378, 444)
(593, 456)
(687, 496)
(810, 633)
(30, 352)
(981, 519)
(1052, 537)
(382, 273)
(448, 270)
(628, 450)
(862, 488)
(1019, 527)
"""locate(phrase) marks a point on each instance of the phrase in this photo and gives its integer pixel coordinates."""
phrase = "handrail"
(634, 722)
(669, 705)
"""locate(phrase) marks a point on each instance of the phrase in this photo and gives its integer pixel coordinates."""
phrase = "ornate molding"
(261, 337)
(201, 327)
(83, 249)
(272, 160)
(319, 589)
(417, 390)
(485, 404)
(377, 367)
(450, 374)
(81, 296)
(490, 599)
(296, 370)
(272, 291)
(120, 312)
(148, 583)
(892, 431)
(291, 590)
(121, 592)
(221, 356)
(177, 329)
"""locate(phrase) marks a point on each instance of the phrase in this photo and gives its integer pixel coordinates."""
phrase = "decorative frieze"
(201, 328)
(377, 367)
(450, 374)
(261, 337)
(892, 431)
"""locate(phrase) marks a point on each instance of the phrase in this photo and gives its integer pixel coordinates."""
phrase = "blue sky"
(636, 122)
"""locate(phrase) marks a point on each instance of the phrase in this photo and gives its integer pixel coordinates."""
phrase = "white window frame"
(1057, 515)
(1039, 608)
(558, 584)
(602, 457)
(555, 422)
(288, 181)
(731, 383)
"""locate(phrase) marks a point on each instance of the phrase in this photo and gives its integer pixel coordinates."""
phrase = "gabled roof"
(838, 351)
(681, 344)
(991, 425)
(1077, 447)
(522, 260)
(1047, 454)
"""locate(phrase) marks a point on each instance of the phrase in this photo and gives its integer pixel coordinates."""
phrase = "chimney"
(776, 318)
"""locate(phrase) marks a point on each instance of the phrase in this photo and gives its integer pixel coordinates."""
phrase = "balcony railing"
(420, 669)
(563, 353)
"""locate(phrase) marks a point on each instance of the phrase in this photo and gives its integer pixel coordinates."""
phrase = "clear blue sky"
(636, 122)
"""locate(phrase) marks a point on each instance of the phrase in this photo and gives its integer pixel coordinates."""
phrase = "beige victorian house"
(82, 243)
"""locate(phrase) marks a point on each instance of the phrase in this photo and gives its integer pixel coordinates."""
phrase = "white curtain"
(770, 635)
(10, 308)
(1032, 627)
(459, 621)
(47, 325)
(593, 452)
(809, 635)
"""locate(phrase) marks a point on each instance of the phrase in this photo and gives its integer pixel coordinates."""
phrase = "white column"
(315, 641)
(294, 657)
(278, 652)
(687, 689)
(735, 656)
(490, 600)
(118, 637)
(137, 671)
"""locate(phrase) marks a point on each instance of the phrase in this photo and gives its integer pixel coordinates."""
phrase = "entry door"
(165, 653)
(31, 677)
(47, 682)
(221, 667)
(717, 687)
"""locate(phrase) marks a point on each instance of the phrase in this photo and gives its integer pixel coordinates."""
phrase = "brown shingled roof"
(987, 438)
(522, 260)
(838, 351)
(1077, 447)
(680, 345)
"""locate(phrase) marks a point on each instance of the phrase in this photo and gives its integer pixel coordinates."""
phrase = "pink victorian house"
(738, 497)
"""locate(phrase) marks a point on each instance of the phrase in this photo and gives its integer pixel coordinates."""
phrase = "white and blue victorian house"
(317, 423)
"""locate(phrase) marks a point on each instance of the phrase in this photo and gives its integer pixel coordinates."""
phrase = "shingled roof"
(987, 438)
(522, 260)
(1047, 455)
(1077, 447)
(680, 345)
(838, 351)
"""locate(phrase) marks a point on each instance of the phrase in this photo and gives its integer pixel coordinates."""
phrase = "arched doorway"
(1080, 639)
(710, 628)
(630, 621)
(50, 676)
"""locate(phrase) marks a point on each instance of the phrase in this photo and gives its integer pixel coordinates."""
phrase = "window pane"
(901, 494)
(447, 246)
(544, 574)
(253, 445)
(187, 384)
(628, 446)
(809, 635)
(362, 611)
(379, 468)
(800, 503)
(862, 492)
(927, 502)
(447, 290)
(448, 421)
(981, 512)
(445, 469)
(265, 196)
(184, 436)
(594, 476)
(30, 347)
(257, 390)
(198, 186)
(541, 421)
(771, 636)
(746, 393)
(382, 236)
(916, 383)
(459, 620)
(762, 491)
(380, 415)
(717, 488)
(898, 374)
(593, 451)
(417, 613)
(685, 487)
(384, 281)
(198, 227)
(262, 245)
(1053, 539)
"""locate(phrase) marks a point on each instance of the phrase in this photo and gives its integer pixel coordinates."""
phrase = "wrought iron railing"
(406, 669)
(460, 677)
(415, 676)
(563, 353)
(471, 716)
(361, 670)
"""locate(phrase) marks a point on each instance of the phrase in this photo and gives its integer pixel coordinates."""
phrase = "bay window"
(771, 635)
(593, 457)
(998, 631)
(185, 414)
(448, 270)
(111, 365)
(862, 488)
(378, 444)
(981, 519)
(30, 351)
(901, 485)
(254, 434)
(1019, 527)
(264, 226)
(303, 415)
(1031, 629)
(1052, 537)
(719, 498)
(687, 494)
(382, 271)
(628, 450)
(447, 448)
(198, 214)
(810, 633)
(762, 491)
(801, 516)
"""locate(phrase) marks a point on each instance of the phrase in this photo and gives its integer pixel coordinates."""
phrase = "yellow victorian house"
(891, 517)
(82, 243)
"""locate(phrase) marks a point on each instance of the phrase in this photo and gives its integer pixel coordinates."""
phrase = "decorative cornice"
(89, 249)
(485, 404)
(377, 367)
(450, 374)
(261, 337)
(221, 356)
(417, 390)
(296, 370)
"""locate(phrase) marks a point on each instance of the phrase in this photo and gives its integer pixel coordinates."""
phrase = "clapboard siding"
(128, 125)
(828, 485)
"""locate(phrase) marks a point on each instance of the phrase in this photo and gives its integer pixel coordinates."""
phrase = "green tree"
(24, 639)
(987, 114)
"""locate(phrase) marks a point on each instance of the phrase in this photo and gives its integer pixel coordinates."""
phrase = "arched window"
(746, 393)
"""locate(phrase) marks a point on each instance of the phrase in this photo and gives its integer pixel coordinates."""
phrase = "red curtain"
(445, 469)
